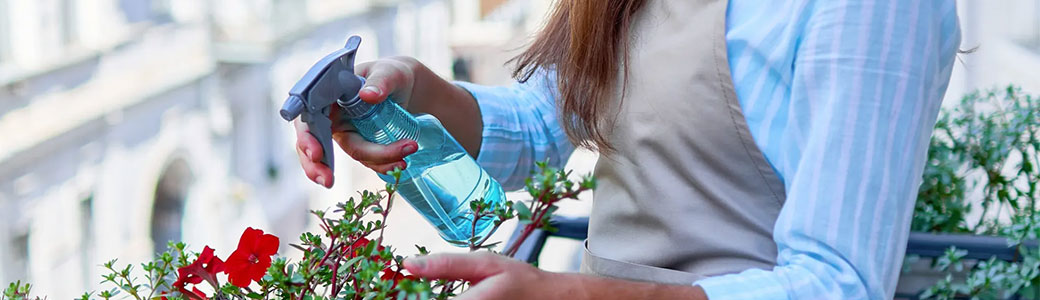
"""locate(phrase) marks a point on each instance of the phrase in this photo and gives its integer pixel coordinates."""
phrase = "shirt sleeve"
(873, 75)
(521, 127)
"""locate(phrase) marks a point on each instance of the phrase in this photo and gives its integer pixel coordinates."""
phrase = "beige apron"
(688, 194)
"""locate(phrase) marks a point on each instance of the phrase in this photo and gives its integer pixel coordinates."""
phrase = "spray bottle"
(441, 179)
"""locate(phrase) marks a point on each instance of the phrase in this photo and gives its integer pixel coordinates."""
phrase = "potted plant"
(347, 259)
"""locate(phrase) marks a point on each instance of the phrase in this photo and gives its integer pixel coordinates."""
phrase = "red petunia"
(359, 245)
(205, 267)
(199, 293)
(396, 276)
(252, 258)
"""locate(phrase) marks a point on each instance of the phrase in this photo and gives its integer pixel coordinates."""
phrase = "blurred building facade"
(126, 123)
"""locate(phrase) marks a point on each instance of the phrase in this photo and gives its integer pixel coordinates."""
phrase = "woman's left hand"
(495, 276)
(498, 277)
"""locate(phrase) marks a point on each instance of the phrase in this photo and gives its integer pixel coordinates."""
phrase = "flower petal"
(206, 255)
(239, 260)
(239, 278)
(215, 266)
(249, 238)
(259, 269)
(267, 245)
(199, 293)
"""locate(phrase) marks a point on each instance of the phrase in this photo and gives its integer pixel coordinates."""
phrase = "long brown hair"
(586, 43)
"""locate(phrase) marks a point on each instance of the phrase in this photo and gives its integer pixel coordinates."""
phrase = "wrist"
(453, 105)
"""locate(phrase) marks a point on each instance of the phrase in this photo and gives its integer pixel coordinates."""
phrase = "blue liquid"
(441, 178)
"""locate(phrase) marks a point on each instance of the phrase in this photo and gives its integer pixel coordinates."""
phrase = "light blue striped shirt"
(841, 97)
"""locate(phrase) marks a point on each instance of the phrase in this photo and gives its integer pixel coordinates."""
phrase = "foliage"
(983, 158)
(987, 279)
(983, 154)
(17, 291)
(346, 260)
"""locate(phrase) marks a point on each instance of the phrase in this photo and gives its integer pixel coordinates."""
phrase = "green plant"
(983, 158)
(17, 291)
(983, 155)
(345, 260)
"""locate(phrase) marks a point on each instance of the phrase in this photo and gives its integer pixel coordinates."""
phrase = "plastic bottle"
(440, 179)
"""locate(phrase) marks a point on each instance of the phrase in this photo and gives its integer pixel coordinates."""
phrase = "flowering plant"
(346, 260)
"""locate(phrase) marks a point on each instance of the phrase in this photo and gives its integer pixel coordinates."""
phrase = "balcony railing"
(924, 245)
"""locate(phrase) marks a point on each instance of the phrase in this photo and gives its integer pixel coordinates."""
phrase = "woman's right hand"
(394, 76)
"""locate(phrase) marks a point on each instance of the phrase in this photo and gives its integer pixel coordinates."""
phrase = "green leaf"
(422, 250)
(549, 211)
(522, 211)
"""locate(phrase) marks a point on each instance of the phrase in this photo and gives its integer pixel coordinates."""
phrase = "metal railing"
(925, 245)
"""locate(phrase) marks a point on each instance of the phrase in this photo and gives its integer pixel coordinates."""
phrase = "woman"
(749, 149)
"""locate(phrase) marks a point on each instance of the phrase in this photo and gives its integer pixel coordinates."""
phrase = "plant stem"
(386, 212)
(528, 229)
(307, 284)
(335, 272)
(540, 211)
(473, 231)
(448, 288)
(486, 237)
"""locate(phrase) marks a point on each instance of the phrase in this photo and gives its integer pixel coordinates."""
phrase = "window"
(17, 267)
(168, 208)
(86, 227)
(68, 34)
(1036, 24)
(160, 11)
(5, 36)
(156, 11)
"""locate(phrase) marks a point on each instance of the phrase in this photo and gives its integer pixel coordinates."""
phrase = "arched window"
(168, 208)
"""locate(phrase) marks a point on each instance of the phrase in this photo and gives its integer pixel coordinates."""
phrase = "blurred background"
(127, 123)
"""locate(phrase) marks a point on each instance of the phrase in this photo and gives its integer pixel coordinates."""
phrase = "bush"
(983, 158)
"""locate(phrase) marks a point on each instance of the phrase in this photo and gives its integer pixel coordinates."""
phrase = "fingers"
(306, 143)
(385, 77)
(309, 151)
(380, 158)
(316, 171)
(381, 78)
(487, 289)
(471, 267)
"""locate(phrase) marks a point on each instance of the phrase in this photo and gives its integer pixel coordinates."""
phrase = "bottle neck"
(386, 123)
(354, 107)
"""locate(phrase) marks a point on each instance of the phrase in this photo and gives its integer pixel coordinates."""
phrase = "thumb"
(380, 81)
(470, 267)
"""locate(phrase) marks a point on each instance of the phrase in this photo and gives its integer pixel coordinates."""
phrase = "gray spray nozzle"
(291, 108)
(329, 81)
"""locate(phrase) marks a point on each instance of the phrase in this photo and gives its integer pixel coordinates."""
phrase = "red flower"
(199, 293)
(359, 245)
(205, 267)
(396, 276)
(252, 258)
